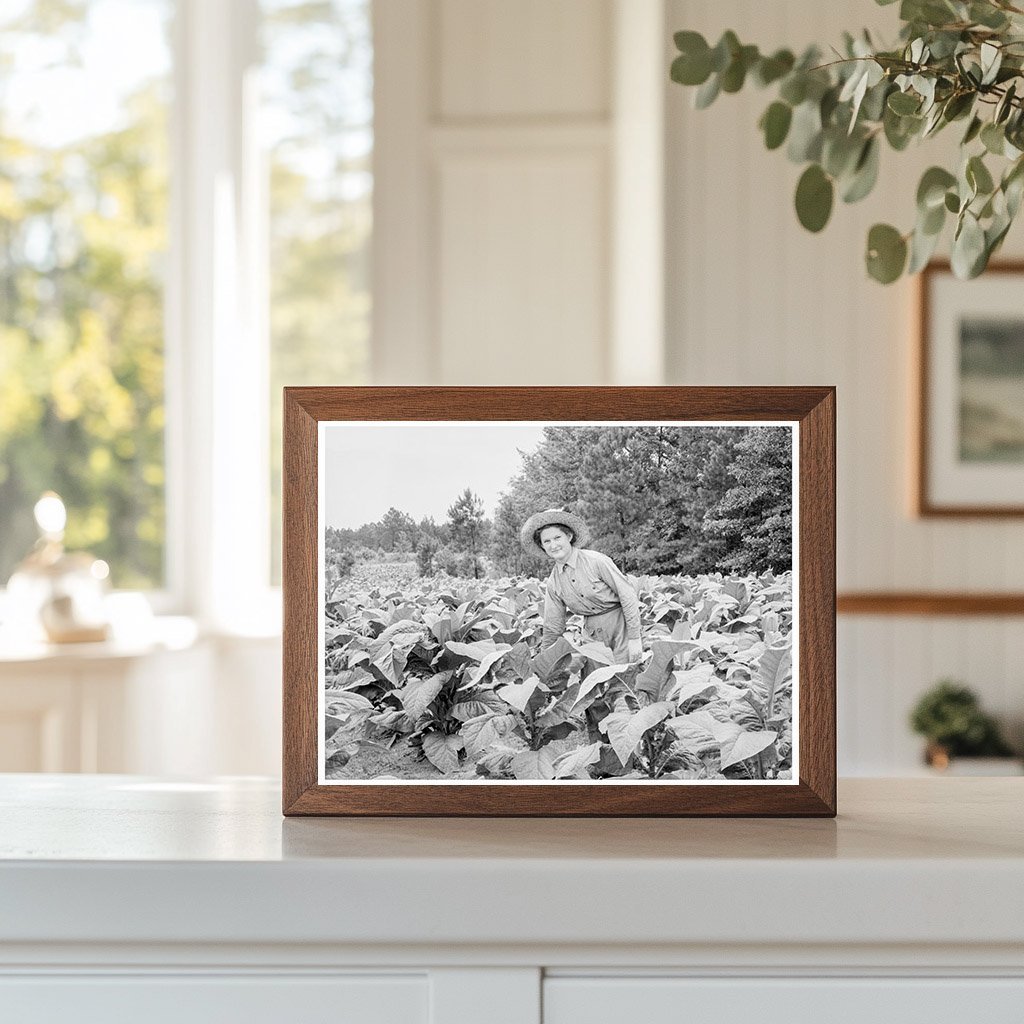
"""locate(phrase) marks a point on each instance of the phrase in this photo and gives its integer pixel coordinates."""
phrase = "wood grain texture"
(299, 597)
(817, 611)
(924, 506)
(813, 408)
(924, 603)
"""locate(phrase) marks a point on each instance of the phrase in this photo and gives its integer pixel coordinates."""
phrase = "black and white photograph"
(541, 602)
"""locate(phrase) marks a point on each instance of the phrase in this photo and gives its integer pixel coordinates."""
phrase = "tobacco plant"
(452, 681)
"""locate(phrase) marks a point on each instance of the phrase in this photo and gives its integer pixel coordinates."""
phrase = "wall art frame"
(969, 373)
(333, 434)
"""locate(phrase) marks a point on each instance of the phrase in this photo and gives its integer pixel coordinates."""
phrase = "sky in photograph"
(419, 468)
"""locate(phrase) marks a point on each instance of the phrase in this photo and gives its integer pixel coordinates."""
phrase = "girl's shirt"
(588, 583)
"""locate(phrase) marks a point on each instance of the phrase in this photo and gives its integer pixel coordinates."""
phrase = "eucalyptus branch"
(834, 116)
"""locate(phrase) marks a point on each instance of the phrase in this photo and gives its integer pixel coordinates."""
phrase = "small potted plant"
(950, 717)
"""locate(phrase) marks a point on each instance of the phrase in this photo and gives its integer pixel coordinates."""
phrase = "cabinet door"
(205, 999)
(42, 721)
(783, 1000)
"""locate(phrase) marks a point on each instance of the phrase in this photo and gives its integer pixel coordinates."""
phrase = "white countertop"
(124, 859)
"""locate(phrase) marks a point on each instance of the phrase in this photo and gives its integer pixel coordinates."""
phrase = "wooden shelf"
(928, 603)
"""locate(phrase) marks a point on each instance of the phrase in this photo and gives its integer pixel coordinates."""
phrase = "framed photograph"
(970, 444)
(559, 601)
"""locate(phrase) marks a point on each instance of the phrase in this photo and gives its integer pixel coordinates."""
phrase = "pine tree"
(397, 531)
(468, 526)
(755, 517)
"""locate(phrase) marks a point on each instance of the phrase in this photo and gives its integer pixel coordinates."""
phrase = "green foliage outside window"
(83, 228)
(83, 240)
(318, 109)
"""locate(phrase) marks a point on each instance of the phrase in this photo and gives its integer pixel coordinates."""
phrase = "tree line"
(459, 545)
(658, 500)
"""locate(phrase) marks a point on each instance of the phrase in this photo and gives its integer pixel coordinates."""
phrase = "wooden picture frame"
(808, 413)
(969, 444)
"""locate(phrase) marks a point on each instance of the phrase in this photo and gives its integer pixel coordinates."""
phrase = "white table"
(122, 896)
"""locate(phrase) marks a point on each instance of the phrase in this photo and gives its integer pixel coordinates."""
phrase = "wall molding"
(928, 603)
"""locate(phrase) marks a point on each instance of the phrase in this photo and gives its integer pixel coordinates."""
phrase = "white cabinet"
(823, 1000)
(100, 707)
(171, 704)
(125, 898)
(202, 999)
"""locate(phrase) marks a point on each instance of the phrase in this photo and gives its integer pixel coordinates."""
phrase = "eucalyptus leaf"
(814, 194)
(931, 191)
(828, 106)
(1013, 188)
(987, 15)
(794, 89)
(934, 121)
(958, 106)
(968, 247)
(993, 138)
(930, 12)
(887, 253)
(898, 130)
(725, 50)
(922, 248)
(865, 174)
(903, 103)
(1005, 105)
(839, 152)
(930, 222)
(995, 233)
(874, 103)
(805, 133)
(926, 88)
(771, 69)
(775, 123)
(973, 129)
(693, 65)
(979, 177)
(944, 44)
(991, 60)
(707, 93)
(735, 74)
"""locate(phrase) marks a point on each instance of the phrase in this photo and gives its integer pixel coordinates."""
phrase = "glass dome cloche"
(57, 595)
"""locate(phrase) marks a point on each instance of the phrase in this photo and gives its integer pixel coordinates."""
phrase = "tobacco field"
(445, 679)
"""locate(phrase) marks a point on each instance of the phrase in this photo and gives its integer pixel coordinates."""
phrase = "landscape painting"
(991, 389)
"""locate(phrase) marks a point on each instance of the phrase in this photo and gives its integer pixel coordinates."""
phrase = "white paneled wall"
(550, 208)
(522, 208)
(503, 315)
(754, 299)
(498, 155)
(529, 59)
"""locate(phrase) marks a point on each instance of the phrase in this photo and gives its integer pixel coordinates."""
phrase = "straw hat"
(552, 517)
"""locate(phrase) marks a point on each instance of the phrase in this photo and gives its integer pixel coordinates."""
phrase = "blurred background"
(202, 201)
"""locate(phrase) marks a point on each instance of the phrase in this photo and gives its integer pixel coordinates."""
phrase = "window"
(317, 125)
(83, 237)
(185, 221)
